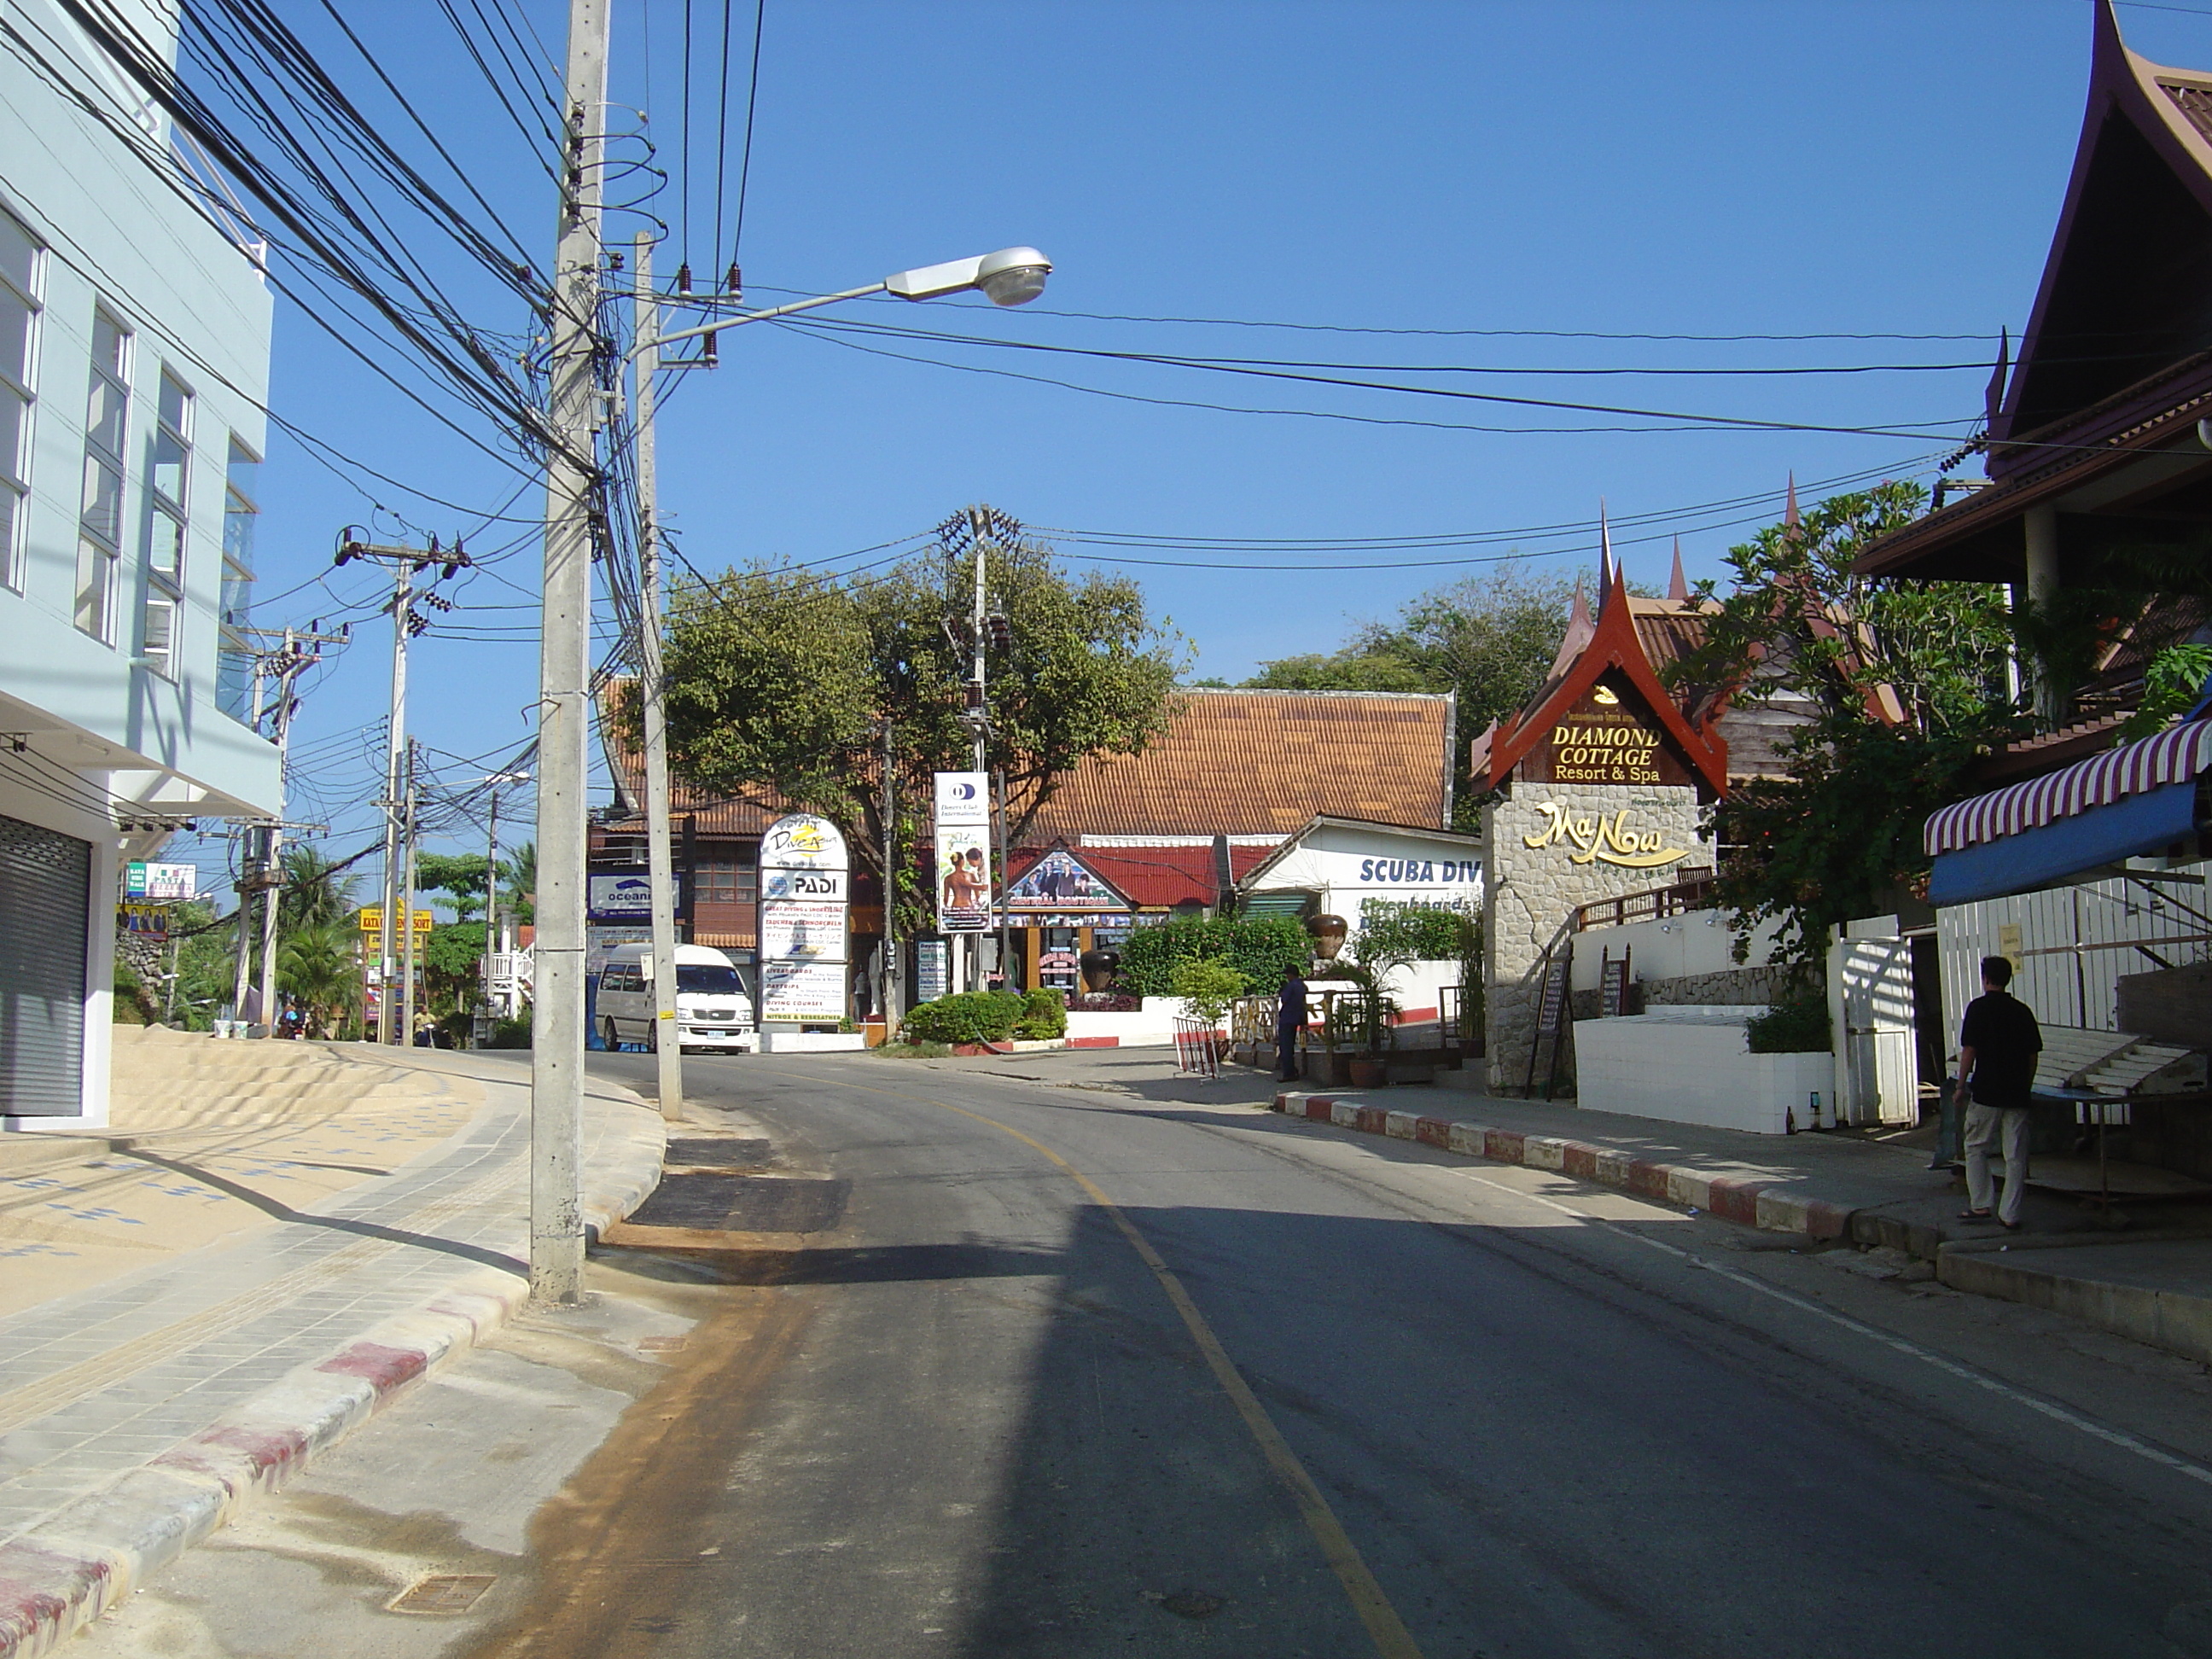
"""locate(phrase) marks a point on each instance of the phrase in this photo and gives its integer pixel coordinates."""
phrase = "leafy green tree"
(453, 966)
(1208, 987)
(1487, 640)
(461, 877)
(1905, 684)
(780, 680)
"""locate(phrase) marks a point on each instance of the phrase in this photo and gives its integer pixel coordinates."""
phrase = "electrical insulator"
(734, 281)
(684, 277)
(707, 350)
(1001, 631)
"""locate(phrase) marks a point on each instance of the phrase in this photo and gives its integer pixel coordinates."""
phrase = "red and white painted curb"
(1775, 1206)
(66, 1572)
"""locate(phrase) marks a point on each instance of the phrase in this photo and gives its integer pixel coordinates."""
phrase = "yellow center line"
(1389, 1632)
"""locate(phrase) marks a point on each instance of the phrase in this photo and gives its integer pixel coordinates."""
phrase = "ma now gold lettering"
(1603, 840)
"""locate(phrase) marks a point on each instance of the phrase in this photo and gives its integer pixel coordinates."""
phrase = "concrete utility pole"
(668, 1039)
(407, 564)
(556, 1056)
(979, 705)
(294, 661)
(395, 747)
(407, 950)
(894, 975)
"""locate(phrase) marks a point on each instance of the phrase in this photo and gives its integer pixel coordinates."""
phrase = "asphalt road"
(1362, 1399)
(1033, 1359)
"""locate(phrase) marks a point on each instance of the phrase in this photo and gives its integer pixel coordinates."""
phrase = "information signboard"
(618, 896)
(805, 887)
(161, 883)
(800, 990)
(802, 928)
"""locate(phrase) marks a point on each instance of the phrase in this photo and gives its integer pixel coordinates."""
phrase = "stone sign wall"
(1548, 847)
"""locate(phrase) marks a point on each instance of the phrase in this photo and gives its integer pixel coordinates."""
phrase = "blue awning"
(2133, 825)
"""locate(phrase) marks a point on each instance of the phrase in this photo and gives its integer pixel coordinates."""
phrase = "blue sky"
(1679, 168)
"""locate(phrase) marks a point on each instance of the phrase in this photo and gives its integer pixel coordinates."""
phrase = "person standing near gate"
(1998, 1041)
(1290, 1020)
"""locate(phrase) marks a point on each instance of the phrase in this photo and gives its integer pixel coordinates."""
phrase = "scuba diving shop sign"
(803, 923)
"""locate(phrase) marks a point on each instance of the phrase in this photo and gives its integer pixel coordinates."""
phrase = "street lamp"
(1012, 277)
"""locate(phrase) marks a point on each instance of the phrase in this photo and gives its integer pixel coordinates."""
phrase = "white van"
(712, 1008)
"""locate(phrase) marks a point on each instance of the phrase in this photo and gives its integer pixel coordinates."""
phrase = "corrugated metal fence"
(2069, 946)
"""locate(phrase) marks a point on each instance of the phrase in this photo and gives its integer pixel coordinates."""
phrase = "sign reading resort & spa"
(1604, 738)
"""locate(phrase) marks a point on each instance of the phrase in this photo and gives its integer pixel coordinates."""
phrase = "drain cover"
(446, 1593)
(766, 1204)
(660, 1344)
(722, 1152)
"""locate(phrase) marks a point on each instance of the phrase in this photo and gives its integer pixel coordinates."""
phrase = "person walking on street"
(1998, 1041)
(1290, 1020)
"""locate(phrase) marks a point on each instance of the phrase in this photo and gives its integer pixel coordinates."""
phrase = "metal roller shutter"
(45, 889)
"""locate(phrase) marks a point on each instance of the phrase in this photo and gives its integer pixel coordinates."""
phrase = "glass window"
(95, 589)
(103, 499)
(707, 976)
(176, 406)
(19, 254)
(233, 667)
(111, 347)
(19, 271)
(172, 440)
(15, 313)
(15, 421)
(159, 644)
(165, 556)
(108, 414)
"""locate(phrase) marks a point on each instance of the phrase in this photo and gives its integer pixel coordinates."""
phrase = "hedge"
(1797, 1027)
(967, 1016)
(1258, 947)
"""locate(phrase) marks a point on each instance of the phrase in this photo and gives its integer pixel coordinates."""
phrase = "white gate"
(1878, 1081)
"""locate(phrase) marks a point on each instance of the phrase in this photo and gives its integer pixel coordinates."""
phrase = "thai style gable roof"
(2126, 293)
(1613, 647)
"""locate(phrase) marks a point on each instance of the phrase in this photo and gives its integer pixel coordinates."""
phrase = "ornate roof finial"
(1678, 589)
(1789, 522)
(1604, 553)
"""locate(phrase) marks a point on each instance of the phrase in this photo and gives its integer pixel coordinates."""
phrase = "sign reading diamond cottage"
(1600, 779)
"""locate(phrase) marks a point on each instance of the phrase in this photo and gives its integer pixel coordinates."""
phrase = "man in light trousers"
(1998, 1043)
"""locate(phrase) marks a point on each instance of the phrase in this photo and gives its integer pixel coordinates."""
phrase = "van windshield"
(707, 976)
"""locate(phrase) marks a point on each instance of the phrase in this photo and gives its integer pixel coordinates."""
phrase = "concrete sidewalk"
(258, 1307)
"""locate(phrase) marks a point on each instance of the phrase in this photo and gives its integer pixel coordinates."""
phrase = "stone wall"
(1531, 892)
(1732, 988)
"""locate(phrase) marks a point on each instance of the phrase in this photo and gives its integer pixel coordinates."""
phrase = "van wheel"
(653, 1036)
(607, 1035)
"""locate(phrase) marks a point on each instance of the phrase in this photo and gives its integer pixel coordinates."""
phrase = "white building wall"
(87, 735)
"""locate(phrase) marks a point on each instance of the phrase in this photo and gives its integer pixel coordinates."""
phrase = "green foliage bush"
(509, 1034)
(967, 1016)
(1044, 1016)
(1799, 1026)
(1208, 986)
(1258, 947)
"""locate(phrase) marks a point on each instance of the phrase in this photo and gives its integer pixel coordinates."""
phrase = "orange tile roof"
(1231, 763)
(1261, 762)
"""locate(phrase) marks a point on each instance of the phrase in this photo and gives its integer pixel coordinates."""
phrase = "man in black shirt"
(1290, 1020)
(1998, 1043)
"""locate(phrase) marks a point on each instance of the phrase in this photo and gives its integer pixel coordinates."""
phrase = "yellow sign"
(2010, 945)
(371, 919)
(1605, 840)
(1623, 749)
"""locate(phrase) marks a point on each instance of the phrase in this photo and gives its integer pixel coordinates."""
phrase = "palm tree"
(521, 868)
(318, 966)
(317, 892)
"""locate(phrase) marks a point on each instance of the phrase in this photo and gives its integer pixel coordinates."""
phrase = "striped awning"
(2174, 756)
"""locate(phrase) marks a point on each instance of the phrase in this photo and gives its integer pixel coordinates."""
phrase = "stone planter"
(1367, 1073)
